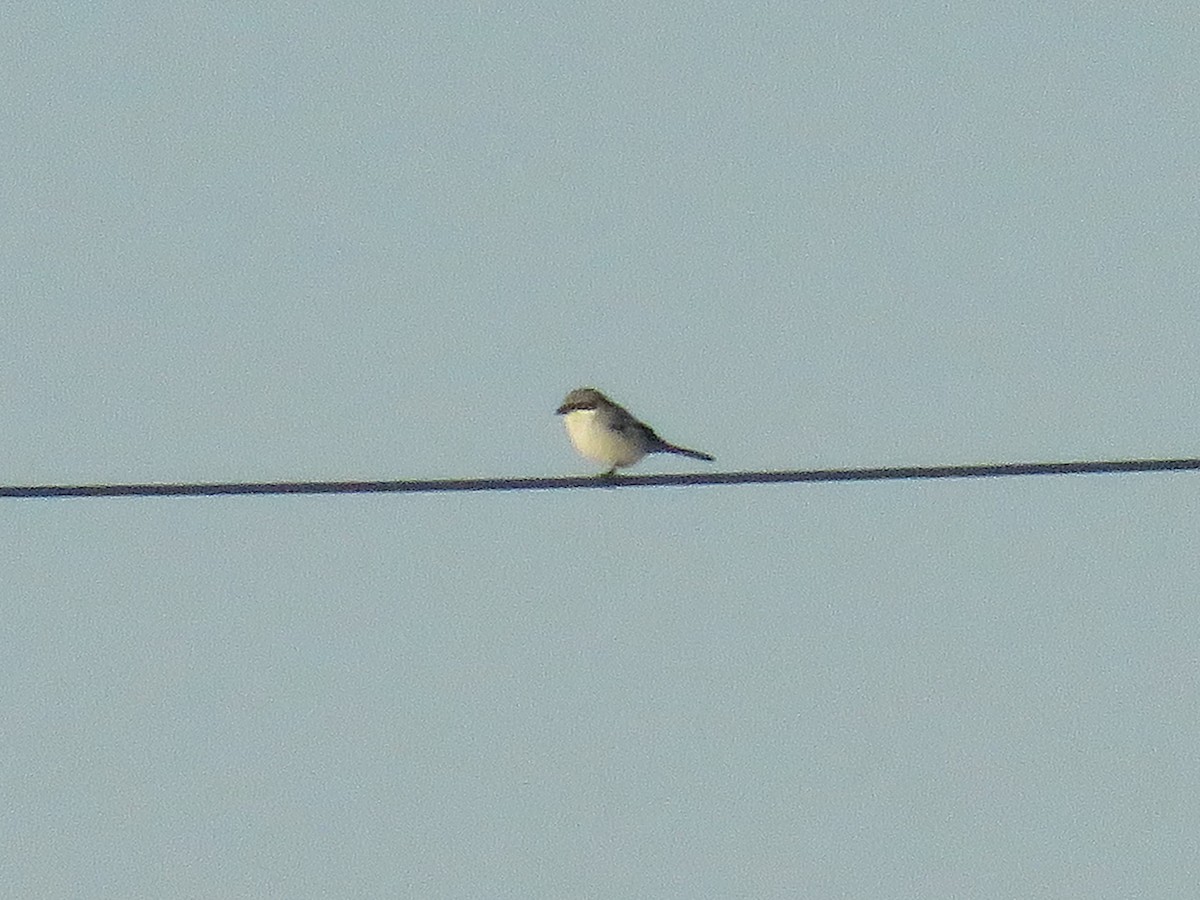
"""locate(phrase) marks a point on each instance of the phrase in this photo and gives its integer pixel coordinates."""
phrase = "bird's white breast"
(592, 437)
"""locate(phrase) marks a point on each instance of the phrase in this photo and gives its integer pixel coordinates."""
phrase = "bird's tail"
(684, 451)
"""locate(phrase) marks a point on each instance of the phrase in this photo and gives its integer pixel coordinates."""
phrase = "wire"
(592, 481)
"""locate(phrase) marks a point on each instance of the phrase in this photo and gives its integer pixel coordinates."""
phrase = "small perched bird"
(607, 433)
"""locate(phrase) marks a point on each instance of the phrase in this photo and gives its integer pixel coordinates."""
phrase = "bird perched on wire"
(607, 433)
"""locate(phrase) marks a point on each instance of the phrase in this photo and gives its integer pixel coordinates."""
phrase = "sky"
(381, 241)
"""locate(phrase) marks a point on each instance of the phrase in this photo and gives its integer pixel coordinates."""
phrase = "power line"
(1097, 467)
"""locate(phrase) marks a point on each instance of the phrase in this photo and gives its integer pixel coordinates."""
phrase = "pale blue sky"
(382, 241)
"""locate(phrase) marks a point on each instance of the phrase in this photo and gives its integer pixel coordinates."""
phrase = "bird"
(607, 433)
